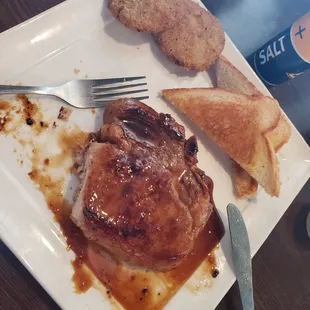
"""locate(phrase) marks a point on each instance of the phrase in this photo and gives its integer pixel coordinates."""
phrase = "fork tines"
(102, 89)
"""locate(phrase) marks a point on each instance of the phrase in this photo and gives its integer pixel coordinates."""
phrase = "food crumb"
(29, 121)
(76, 71)
(86, 76)
(54, 124)
(64, 113)
(93, 111)
(46, 161)
(44, 124)
(215, 273)
(32, 174)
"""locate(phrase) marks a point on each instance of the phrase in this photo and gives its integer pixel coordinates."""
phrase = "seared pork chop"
(142, 197)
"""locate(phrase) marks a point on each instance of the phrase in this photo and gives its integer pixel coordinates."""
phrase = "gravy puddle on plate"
(132, 288)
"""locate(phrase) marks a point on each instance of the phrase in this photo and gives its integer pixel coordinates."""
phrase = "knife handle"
(246, 293)
(241, 254)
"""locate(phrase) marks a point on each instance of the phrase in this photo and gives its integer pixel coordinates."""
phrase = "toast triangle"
(238, 124)
(230, 78)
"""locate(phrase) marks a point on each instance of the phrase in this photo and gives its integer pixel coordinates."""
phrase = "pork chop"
(142, 196)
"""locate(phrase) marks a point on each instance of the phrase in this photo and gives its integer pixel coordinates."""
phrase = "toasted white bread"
(281, 134)
(244, 185)
(238, 124)
(230, 78)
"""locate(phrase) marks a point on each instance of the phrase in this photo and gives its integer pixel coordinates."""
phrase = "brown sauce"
(133, 288)
(4, 105)
(136, 288)
(139, 289)
(68, 141)
(5, 116)
(77, 242)
(31, 115)
(52, 189)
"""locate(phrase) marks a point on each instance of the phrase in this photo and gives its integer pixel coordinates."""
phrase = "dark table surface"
(281, 270)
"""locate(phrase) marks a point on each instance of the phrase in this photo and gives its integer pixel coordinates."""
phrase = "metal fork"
(85, 94)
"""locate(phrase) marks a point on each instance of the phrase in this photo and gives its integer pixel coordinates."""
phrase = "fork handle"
(12, 89)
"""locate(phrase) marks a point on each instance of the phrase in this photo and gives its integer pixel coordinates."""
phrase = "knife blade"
(241, 254)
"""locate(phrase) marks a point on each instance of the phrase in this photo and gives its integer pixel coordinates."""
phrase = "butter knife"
(241, 256)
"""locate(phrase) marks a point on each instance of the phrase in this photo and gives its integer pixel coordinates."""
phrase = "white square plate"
(82, 34)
